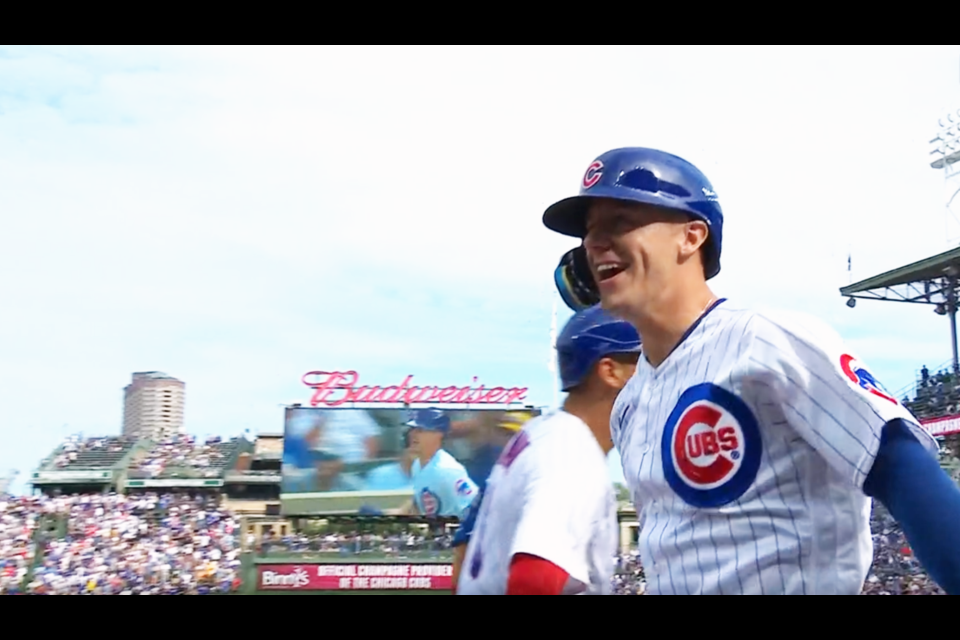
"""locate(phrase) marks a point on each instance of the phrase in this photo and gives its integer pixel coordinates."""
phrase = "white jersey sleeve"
(559, 515)
(827, 395)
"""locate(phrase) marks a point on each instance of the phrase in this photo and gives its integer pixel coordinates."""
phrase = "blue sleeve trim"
(923, 499)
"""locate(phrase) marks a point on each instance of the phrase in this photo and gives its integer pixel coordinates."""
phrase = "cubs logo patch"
(858, 375)
(463, 488)
(429, 503)
(593, 174)
(711, 447)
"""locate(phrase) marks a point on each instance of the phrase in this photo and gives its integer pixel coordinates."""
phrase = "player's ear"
(616, 371)
(694, 237)
(606, 372)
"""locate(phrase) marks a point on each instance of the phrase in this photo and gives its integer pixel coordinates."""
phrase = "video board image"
(364, 450)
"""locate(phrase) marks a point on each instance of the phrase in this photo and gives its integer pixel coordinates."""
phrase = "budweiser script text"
(327, 383)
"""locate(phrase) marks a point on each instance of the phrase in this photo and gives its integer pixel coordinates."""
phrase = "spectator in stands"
(183, 453)
(96, 452)
(164, 544)
(18, 522)
(412, 542)
(628, 578)
(140, 545)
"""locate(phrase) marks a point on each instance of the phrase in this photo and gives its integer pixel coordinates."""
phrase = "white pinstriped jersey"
(550, 496)
(746, 451)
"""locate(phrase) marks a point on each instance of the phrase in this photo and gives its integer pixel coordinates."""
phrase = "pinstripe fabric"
(768, 500)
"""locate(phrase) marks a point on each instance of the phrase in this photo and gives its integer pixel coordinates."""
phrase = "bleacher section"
(88, 464)
(936, 395)
(92, 453)
(253, 484)
(185, 457)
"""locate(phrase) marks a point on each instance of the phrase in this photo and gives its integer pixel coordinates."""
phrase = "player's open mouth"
(609, 270)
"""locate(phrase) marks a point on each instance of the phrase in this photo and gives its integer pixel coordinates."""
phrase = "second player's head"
(597, 355)
(648, 220)
(427, 427)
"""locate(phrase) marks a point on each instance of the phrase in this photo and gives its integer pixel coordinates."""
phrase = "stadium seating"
(185, 457)
(128, 538)
(936, 395)
(114, 544)
(90, 453)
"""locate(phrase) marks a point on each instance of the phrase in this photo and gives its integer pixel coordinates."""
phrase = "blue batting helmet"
(650, 177)
(574, 281)
(429, 420)
(588, 336)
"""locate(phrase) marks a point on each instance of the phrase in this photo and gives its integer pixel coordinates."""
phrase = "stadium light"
(947, 143)
(851, 302)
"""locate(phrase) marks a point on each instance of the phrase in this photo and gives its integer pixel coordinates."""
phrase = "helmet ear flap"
(574, 281)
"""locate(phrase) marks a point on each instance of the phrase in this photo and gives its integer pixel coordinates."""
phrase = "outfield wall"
(349, 575)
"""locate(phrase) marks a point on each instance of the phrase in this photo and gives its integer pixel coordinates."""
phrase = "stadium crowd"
(409, 542)
(628, 578)
(937, 394)
(125, 545)
(183, 452)
(73, 448)
(18, 522)
(165, 545)
(895, 571)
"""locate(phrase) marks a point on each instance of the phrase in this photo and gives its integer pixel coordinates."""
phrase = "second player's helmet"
(589, 335)
(648, 176)
(574, 281)
(429, 420)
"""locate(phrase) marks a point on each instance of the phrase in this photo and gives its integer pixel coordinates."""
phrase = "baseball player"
(752, 441)
(507, 427)
(547, 524)
(441, 486)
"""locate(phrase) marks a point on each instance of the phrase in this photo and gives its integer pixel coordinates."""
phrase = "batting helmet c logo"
(593, 174)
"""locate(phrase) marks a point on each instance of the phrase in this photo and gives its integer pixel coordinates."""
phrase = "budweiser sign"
(335, 388)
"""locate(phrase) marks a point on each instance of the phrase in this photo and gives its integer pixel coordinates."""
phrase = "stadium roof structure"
(932, 281)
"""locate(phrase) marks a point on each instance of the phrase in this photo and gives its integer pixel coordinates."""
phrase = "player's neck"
(663, 323)
(595, 415)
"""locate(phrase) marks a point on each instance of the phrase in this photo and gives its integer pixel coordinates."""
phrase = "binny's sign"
(338, 388)
(295, 578)
(356, 577)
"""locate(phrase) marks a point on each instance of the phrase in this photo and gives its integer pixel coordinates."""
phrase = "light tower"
(946, 156)
(6, 482)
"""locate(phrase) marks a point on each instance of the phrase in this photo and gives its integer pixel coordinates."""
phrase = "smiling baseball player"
(752, 441)
(547, 523)
(441, 486)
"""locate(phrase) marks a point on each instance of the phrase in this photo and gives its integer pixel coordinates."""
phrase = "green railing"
(178, 473)
(49, 527)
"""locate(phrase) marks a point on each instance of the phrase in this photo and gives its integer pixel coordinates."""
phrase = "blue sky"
(238, 216)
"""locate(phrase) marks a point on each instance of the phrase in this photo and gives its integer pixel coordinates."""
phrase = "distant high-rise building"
(153, 406)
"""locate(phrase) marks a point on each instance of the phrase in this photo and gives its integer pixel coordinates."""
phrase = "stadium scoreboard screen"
(342, 459)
